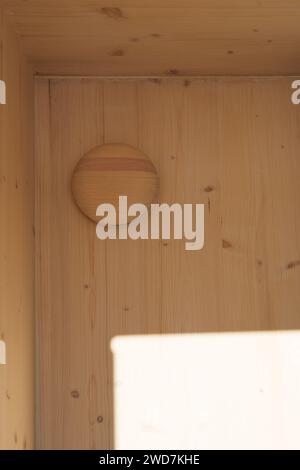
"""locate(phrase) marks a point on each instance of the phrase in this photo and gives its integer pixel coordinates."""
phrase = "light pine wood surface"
(231, 144)
(17, 385)
(159, 37)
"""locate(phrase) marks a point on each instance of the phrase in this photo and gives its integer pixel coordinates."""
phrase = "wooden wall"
(16, 246)
(231, 144)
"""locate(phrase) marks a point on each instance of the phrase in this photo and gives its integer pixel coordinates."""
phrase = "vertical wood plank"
(75, 267)
(16, 245)
(189, 174)
(239, 196)
(132, 289)
(277, 136)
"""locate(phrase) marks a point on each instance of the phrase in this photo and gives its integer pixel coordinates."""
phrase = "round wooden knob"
(112, 170)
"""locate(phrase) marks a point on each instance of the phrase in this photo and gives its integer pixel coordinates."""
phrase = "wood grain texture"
(151, 37)
(231, 144)
(17, 384)
(74, 301)
(112, 170)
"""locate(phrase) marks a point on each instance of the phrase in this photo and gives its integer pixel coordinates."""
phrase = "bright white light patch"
(2, 352)
(207, 391)
(2, 92)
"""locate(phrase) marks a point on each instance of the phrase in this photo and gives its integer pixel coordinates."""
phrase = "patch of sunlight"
(207, 391)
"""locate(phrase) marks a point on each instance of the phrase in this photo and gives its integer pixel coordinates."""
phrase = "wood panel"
(72, 295)
(16, 247)
(229, 143)
(150, 37)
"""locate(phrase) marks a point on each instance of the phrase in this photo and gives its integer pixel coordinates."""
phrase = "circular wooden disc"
(112, 170)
